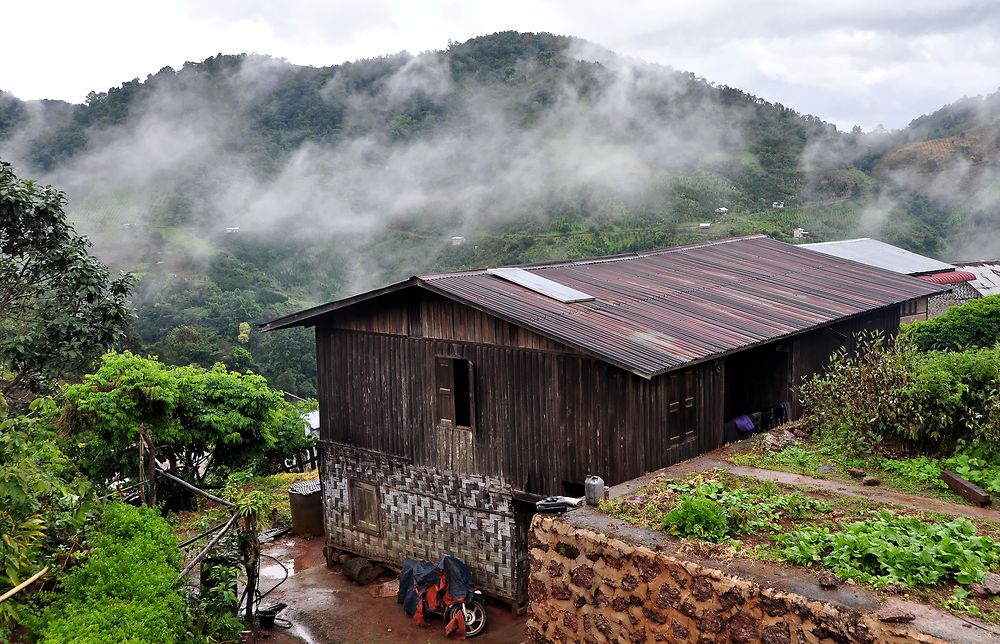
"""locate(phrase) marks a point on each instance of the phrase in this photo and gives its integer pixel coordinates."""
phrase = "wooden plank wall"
(421, 313)
(542, 418)
(546, 414)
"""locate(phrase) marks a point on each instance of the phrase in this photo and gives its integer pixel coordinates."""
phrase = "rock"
(896, 615)
(991, 581)
(385, 589)
(979, 590)
(561, 591)
(856, 473)
(777, 634)
(743, 629)
(774, 442)
(871, 481)
(828, 580)
(582, 576)
(826, 469)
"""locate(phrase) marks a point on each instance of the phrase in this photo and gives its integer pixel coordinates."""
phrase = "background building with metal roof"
(873, 252)
(987, 276)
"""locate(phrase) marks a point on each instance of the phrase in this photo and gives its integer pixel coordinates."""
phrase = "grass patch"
(715, 507)
(797, 459)
(918, 475)
(275, 487)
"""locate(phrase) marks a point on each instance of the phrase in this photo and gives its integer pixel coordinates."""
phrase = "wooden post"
(967, 490)
(142, 466)
(199, 491)
(250, 544)
(151, 448)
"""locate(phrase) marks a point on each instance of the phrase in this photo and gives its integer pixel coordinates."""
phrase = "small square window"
(365, 514)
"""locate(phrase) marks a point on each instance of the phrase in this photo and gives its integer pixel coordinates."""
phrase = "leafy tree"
(203, 421)
(59, 306)
(43, 499)
(191, 344)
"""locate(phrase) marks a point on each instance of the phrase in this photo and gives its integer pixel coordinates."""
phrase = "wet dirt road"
(324, 606)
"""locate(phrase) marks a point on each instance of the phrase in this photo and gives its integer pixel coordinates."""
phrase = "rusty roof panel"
(655, 311)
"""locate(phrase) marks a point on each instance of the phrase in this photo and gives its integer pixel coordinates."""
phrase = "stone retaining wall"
(585, 586)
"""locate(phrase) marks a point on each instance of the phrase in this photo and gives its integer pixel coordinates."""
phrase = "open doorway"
(758, 385)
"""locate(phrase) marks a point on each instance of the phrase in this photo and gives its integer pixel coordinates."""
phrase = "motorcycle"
(472, 611)
(445, 590)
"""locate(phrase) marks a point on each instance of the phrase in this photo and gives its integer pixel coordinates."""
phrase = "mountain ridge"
(529, 147)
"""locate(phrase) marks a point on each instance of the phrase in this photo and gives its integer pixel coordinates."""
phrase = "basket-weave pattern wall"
(425, 513)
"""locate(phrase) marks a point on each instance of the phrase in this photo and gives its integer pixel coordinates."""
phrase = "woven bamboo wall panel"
(425, 513)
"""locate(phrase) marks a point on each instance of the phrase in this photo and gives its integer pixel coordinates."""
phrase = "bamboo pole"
(24, 584)
(211, 544)
(201, 536)
(199, 491)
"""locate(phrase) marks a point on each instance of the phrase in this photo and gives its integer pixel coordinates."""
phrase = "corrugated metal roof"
(658, 310)
(880, 254)
(987, 274)
(948, 277)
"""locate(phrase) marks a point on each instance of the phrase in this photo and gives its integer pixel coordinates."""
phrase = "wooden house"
(450, 403)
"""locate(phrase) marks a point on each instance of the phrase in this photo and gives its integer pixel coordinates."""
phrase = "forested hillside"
(529, 146)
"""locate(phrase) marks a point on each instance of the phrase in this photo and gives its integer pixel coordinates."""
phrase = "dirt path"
(325, 606)
(717, 460)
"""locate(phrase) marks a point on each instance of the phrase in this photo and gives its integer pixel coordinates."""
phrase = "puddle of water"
(302, 632)
(273, 571)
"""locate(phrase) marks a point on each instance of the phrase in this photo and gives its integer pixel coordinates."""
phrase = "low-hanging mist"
(530, 146)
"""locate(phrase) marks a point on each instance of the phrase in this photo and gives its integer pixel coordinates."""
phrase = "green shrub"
(126, 591)
(697, 517)
(43, 503)
(889, 392)
(972, 325)
(891, 549)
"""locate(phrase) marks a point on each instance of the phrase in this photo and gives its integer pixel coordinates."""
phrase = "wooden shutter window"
(365, 515)
(455, 381)
(674, 421)
(443, 380)
(690, 413)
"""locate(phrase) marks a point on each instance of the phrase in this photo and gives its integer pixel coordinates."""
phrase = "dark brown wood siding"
(542, 418)
(811, 351)
(544, 414)
(422, 314)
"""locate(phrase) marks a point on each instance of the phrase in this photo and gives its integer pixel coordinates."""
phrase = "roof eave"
(308, 317)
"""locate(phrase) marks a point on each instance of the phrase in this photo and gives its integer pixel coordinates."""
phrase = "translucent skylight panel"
(541, 285)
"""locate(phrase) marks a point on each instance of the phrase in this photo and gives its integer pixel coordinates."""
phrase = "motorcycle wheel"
(475, 616)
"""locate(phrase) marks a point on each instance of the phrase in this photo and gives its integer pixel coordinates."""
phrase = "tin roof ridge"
(596, 260)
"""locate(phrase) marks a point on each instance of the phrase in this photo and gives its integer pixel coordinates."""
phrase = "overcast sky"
(848, 61)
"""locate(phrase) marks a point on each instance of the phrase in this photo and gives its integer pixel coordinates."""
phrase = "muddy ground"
(325, 606)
